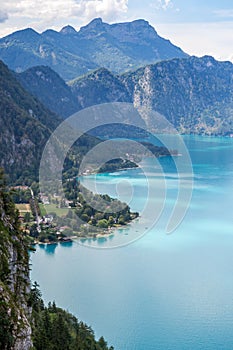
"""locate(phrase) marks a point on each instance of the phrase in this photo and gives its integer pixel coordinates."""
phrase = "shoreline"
(74, 238)
(108, 172)
(109, 233)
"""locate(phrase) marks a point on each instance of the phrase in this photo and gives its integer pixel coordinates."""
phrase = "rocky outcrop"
(15, 326)
(194, 94)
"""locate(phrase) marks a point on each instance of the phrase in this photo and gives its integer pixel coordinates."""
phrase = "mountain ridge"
(118, 47)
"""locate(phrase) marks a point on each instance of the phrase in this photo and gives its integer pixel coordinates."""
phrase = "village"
(50, 219)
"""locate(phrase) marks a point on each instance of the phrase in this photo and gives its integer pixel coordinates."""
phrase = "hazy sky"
(198, 27)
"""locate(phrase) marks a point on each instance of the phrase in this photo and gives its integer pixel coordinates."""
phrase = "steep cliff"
(15, 328)
(194, 94)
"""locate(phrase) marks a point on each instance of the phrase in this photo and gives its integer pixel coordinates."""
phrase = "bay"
(161, 291)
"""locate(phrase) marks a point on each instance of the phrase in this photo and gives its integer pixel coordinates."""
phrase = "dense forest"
(55, 328)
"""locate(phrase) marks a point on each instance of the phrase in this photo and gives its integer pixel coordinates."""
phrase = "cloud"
(107, 9)
(162, 4)
(50, 10)
(3, 16)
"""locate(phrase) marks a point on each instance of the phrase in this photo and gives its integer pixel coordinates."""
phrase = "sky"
(199, 27)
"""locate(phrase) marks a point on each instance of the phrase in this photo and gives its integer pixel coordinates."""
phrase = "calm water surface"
(163, 291)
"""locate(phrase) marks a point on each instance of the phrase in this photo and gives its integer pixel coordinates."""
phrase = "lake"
(162, 291)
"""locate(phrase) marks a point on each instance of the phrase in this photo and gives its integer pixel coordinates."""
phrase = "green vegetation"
(81, 213)
(43, 212)
(87, 215)
(25, 126)
(119, 130)
(20, 194)
(110, 211)
(116, 164)
(54, 328)
(101, 86)
(29, 124)
(26, 121)
(13, 273)
(53, 209)
(50, 89)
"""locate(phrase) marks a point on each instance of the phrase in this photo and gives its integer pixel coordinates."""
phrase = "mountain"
(25, 128)
(118, 47)
(27, 48)
(97, 87)
(194, 94)
(121, 47)
(50, 89)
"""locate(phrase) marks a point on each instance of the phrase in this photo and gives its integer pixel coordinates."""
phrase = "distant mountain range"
(194, 94)
(118, 47)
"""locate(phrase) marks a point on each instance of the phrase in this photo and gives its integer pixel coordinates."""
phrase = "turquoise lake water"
(163, 291)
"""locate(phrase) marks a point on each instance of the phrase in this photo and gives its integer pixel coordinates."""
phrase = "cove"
(162, 291)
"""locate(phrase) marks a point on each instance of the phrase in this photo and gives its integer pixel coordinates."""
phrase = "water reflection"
(66, 244)
(48, 248)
